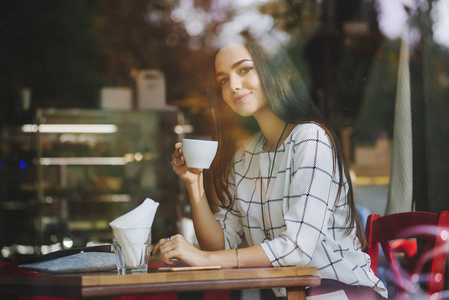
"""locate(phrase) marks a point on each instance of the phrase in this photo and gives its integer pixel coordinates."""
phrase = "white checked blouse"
(293, 215)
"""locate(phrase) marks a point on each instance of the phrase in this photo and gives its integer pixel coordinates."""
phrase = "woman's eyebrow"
(235, 65)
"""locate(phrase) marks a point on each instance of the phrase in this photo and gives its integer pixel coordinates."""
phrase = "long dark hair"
(287, 96)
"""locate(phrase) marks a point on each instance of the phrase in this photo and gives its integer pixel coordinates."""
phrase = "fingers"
(169, 248)
(157, 247)
(177, 157)
(177, 162)
(178, 150)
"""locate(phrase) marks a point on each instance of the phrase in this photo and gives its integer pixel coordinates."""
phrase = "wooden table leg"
(296, 293)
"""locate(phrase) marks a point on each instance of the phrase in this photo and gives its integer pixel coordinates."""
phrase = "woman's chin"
(244, 111)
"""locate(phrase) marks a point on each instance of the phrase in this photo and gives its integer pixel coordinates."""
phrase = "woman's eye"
(246, 70)
(223, 81)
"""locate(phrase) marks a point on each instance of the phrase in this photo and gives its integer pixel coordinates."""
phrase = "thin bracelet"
(238, 258)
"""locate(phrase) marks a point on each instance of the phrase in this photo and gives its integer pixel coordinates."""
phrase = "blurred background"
(94, 94)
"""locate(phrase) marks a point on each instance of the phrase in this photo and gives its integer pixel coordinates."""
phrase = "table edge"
(112, 279)
(300, 282)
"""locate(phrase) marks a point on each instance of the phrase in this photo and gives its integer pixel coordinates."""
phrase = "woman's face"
(239, 80)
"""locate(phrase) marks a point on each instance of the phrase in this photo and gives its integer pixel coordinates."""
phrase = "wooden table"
(109, 284)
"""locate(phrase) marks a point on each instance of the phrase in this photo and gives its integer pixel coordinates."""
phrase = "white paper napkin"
(139, 222)
(140, 217)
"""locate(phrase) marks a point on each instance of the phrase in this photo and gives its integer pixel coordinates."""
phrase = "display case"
(94, 165)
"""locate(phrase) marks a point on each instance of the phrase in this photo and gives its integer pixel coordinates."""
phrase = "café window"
(377, 69)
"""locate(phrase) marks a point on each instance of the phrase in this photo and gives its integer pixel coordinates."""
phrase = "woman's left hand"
(178, 247)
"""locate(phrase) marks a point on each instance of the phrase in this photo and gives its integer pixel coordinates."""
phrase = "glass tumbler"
(132, 248)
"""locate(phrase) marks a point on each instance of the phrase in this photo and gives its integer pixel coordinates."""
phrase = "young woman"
(285, 193)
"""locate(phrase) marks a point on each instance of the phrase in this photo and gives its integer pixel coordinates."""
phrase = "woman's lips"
(240, 98)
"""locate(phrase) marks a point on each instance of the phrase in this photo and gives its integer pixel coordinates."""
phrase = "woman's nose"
(235, 83)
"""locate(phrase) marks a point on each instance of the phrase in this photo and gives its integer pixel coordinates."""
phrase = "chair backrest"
(432, 229)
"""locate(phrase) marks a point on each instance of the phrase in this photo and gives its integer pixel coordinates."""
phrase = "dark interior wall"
(49, 47)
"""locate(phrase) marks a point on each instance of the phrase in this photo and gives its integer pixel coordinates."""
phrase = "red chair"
(428, 265)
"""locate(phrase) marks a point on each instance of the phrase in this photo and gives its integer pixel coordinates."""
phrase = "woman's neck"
(272, 127)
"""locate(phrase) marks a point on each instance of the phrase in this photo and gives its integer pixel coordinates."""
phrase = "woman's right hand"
(188, 175)
(177, 247)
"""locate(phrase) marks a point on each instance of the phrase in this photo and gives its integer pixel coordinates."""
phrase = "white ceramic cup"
(199, 153)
